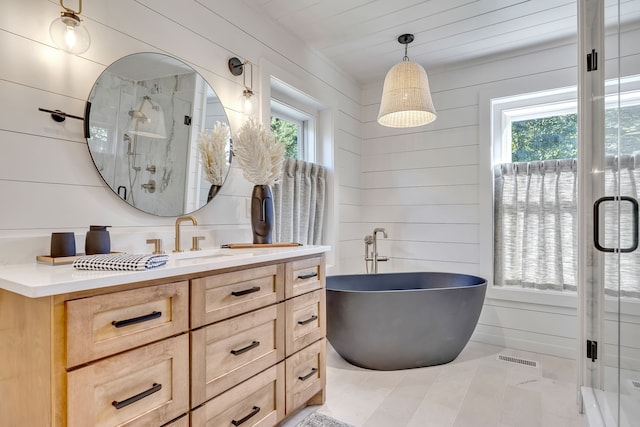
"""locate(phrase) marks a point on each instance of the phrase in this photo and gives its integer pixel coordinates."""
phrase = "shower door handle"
(596, 223)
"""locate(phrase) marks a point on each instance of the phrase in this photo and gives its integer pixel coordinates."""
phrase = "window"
(535, 181)
(290, 132)
(295, 129)
(299, 197)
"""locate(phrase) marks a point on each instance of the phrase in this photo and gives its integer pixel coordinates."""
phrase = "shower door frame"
(601, 386)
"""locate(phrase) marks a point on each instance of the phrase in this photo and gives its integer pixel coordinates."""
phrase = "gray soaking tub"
(402, 320)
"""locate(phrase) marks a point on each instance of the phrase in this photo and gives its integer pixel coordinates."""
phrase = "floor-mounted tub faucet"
(374, 258)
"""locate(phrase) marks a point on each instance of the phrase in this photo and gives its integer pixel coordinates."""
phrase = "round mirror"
(152, 120)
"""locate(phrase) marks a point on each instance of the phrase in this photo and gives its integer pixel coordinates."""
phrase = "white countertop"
(36, 280)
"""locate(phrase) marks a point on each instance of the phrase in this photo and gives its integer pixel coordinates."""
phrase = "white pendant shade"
(406, 99)
(148, 120)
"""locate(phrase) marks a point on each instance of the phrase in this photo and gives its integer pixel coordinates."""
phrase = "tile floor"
(475, 390)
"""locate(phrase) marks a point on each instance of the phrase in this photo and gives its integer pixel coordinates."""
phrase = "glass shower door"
(616, 217)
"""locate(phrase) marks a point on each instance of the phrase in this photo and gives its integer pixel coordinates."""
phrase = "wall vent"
(518, 360)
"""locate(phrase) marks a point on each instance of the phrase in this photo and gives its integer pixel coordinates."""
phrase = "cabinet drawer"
(226, 353)
(182, 422)
(221, 296)
(145, 386)
(305, 376)
(306, 323)
(108, 324)
(257, 402)
(304, 276)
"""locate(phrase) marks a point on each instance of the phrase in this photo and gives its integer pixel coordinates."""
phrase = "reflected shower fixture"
(237, 67)
(406, 100)
(148, 120)
(67, 31)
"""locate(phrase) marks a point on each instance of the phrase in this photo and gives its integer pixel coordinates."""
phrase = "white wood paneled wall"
(423, 185)
(429, 188)
(47, 179)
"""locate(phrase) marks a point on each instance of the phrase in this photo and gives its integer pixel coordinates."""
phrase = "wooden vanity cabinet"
(241, 344)
(127, 356)
(103, 325)
(272, 314)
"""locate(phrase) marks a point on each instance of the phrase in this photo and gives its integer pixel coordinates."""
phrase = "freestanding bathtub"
(402, 320)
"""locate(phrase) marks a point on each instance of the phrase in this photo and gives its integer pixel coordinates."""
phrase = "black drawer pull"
(245, 349)
(308, 276)
(254, 411)
(134, 320)
(309, 375)
(245, 291)
(154, 388)
(309, 320)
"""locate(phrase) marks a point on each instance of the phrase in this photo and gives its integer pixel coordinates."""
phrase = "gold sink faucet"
(179, 220)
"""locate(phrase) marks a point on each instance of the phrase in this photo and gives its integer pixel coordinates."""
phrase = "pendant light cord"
(406, 58)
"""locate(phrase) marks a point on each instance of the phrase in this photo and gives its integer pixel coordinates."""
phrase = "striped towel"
(120, 262)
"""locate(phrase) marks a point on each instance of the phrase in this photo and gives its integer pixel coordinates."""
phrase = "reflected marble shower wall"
(129, 161)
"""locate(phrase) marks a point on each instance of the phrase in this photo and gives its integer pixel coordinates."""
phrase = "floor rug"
(320, 420)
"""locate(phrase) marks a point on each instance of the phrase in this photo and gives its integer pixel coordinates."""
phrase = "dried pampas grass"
(213, 153)
(259, 154)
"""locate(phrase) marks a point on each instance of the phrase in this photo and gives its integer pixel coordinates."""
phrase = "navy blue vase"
(97, 240)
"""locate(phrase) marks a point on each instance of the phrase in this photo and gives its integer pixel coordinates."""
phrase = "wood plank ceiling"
(360, 36)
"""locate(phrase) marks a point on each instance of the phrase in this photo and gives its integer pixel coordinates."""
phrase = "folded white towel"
(120, 262)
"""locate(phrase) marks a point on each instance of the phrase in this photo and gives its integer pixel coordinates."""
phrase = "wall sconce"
(406, 100)
(68, 33)
(237, 67)
(148, 120)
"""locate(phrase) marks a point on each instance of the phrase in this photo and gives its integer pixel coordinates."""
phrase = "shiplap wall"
(430, 187)
(423, 185)
(47, 178)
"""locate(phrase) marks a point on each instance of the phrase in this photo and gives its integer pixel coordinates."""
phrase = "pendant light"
(406, 100)
(68, 33)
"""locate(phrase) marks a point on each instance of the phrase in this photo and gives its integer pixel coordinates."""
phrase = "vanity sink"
(207, 254)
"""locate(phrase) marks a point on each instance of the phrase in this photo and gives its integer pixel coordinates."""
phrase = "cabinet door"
(226, 353)
(306, 322)
(304, 275)
(107, 324)
(257, 402)
(141, 387)
(220, 296)
(305, 376)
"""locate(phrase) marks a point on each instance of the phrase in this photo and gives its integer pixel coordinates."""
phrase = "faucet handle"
(195, 243)
(157, 245)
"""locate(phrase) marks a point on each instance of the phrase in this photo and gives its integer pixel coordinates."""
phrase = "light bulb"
(70, 38)
(68, 33)
(248, 101)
